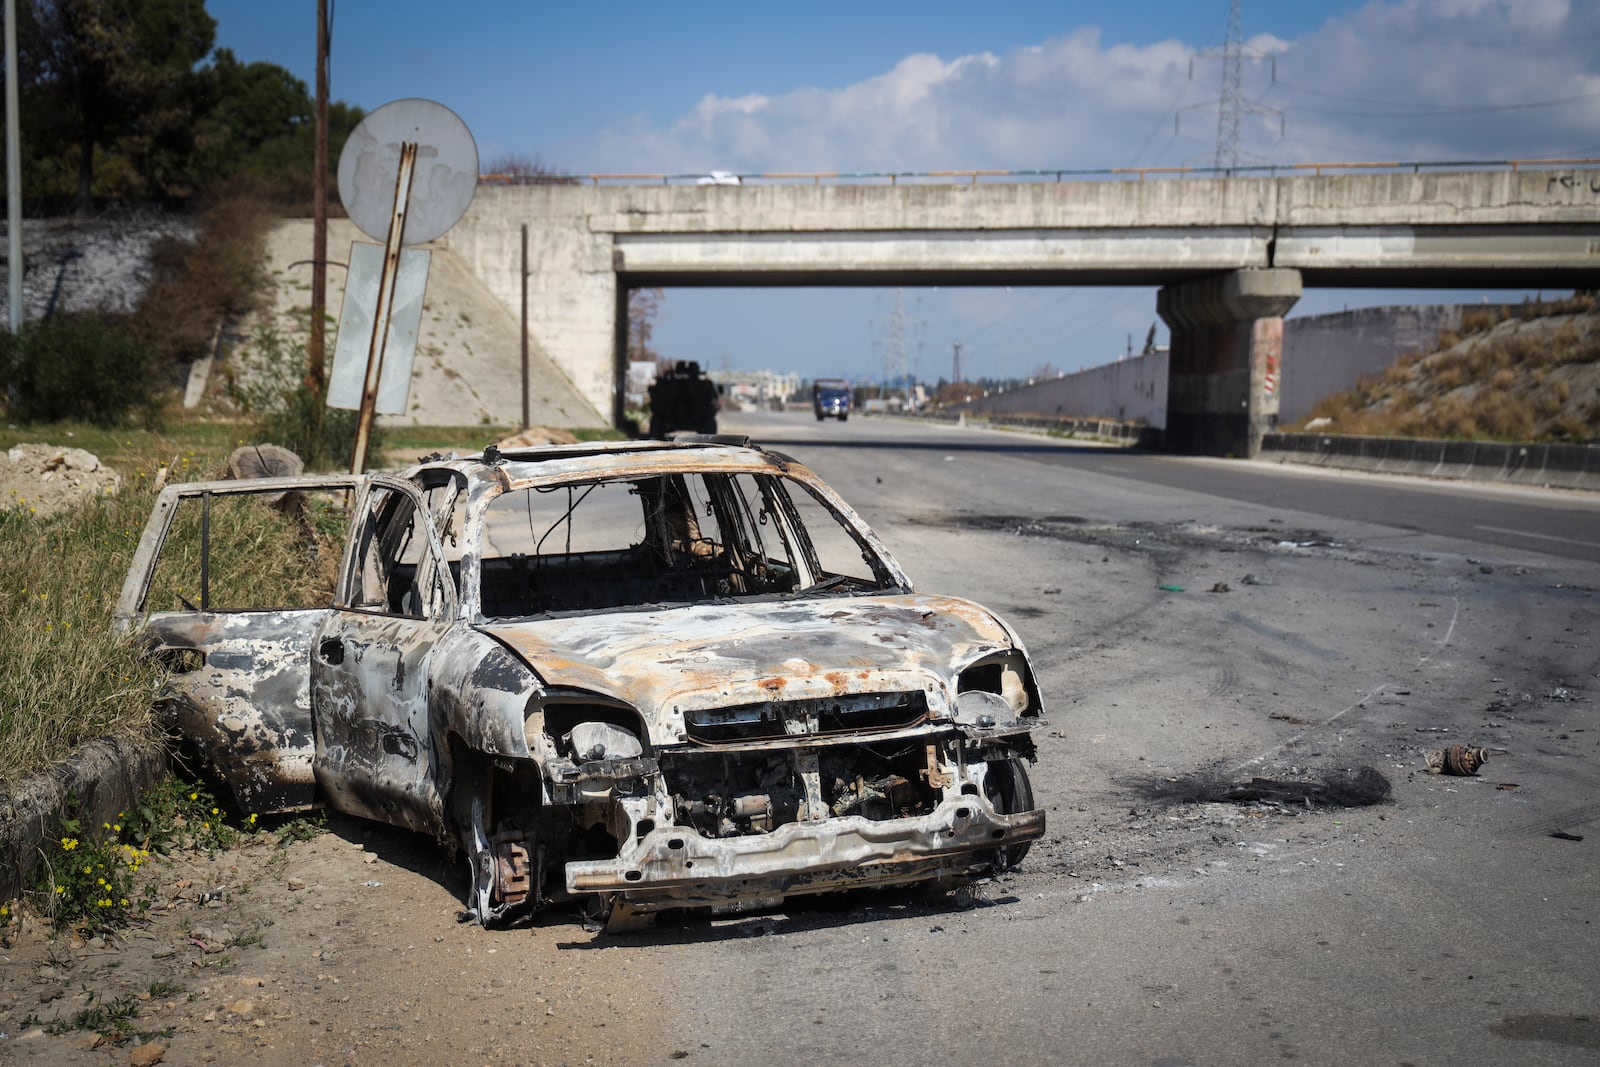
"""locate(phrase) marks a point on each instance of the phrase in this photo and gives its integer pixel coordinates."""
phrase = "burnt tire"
(1006, 786)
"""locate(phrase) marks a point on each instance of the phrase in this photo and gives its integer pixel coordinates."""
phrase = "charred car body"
(656, 675)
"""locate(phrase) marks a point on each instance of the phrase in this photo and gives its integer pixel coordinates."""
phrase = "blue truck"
(830, 398)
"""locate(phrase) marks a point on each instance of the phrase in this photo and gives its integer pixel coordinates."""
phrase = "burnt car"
(644, 675)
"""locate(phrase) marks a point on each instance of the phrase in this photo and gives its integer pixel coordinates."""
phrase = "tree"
(518, 168)
(643, 307)
(111, 76)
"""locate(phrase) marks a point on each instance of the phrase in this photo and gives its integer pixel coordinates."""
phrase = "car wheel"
(844, 418)
(1006, 786)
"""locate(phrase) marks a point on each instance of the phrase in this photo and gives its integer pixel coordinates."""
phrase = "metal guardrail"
(973, 177)
(1575, 466)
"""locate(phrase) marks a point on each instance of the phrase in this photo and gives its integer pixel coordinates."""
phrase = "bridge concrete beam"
(1224, 366)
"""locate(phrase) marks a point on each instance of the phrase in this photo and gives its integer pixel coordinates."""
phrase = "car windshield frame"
(754, 503)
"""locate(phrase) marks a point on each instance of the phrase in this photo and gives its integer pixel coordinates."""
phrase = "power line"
(1231, 105)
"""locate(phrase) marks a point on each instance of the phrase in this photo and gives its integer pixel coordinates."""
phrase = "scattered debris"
(1221, 587)
(1506, 787)
(1293, 720)
(1170, 588)
(1461, 761)
(1341, 788)
(1562, 835)
(42, 479)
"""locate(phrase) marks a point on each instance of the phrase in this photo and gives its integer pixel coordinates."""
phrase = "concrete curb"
(94, 783)
(1564, 466)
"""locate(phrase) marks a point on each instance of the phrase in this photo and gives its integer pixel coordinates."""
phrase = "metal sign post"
(406, 175)
(380, 320)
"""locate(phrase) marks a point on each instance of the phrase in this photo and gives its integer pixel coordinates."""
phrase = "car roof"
(542, 463)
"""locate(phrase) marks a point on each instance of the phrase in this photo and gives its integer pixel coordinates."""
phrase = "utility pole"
(316, 373)
(955, 367)
(1230, 104)
(894, 356)
(14, 264)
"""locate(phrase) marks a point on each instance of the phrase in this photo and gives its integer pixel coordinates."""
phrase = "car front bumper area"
(676, 867)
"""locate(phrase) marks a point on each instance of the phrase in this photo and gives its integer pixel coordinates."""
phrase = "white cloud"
(1410, 79)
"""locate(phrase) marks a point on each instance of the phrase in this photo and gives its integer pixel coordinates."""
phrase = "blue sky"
(687, 88)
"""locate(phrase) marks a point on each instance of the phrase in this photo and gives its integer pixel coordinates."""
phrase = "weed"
(164, 987)
(111, 1019)
(292, 412)
(1498, 379)
(302, 828)
(88, 873)
(65, 679)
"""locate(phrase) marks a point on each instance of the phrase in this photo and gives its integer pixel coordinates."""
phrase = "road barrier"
(1572, 466)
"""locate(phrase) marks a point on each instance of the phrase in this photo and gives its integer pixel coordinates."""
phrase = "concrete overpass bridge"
(1231, 255)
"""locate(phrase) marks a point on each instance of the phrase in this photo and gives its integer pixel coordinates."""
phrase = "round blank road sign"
(442, 185)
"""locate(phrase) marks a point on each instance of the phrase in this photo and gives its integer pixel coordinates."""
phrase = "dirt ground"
(309, 952)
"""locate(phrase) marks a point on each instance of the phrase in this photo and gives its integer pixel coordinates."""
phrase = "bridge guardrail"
(1047, 174)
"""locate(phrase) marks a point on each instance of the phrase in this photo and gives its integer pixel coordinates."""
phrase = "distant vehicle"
(830, 398)
(683, 399)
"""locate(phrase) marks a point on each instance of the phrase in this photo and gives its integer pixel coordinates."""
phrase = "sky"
(886, 85)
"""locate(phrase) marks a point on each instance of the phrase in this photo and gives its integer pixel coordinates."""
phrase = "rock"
(296, 883)
(145, 1055)
(264, 461)
(43, 479)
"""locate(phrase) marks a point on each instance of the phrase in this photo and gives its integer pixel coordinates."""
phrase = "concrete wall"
(1325, 354)
(1322, 355)
(1133, 390)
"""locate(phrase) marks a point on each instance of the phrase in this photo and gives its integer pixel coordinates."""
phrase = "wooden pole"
(316, 372)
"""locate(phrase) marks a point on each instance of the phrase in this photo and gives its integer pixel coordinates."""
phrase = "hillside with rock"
(1528, 373)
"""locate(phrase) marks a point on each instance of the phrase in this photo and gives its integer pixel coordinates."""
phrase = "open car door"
(370, 670)
(229, 585)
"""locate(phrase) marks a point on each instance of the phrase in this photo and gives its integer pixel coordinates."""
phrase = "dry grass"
(64, 679)
(197, 285)
(1508, 374)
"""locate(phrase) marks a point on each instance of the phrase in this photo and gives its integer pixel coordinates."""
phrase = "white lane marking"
(1454, 615)
(1538, 536)
(1335, 717)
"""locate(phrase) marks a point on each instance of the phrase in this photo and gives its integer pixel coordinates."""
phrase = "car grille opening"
(820, 716)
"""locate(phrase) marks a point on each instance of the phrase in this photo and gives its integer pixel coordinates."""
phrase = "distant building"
(748, 390)
(641, 375)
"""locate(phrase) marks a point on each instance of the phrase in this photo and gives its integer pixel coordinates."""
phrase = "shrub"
(79, 367)
(293, 413)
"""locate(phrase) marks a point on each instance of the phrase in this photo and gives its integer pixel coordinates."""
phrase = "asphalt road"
(1555, 522)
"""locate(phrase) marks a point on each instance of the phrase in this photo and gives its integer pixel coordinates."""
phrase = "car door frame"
(371, 682)
(238, 691)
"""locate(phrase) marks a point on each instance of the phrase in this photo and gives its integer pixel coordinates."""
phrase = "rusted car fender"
(481, 693)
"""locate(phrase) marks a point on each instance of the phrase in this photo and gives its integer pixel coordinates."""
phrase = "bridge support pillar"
(1225, 365)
